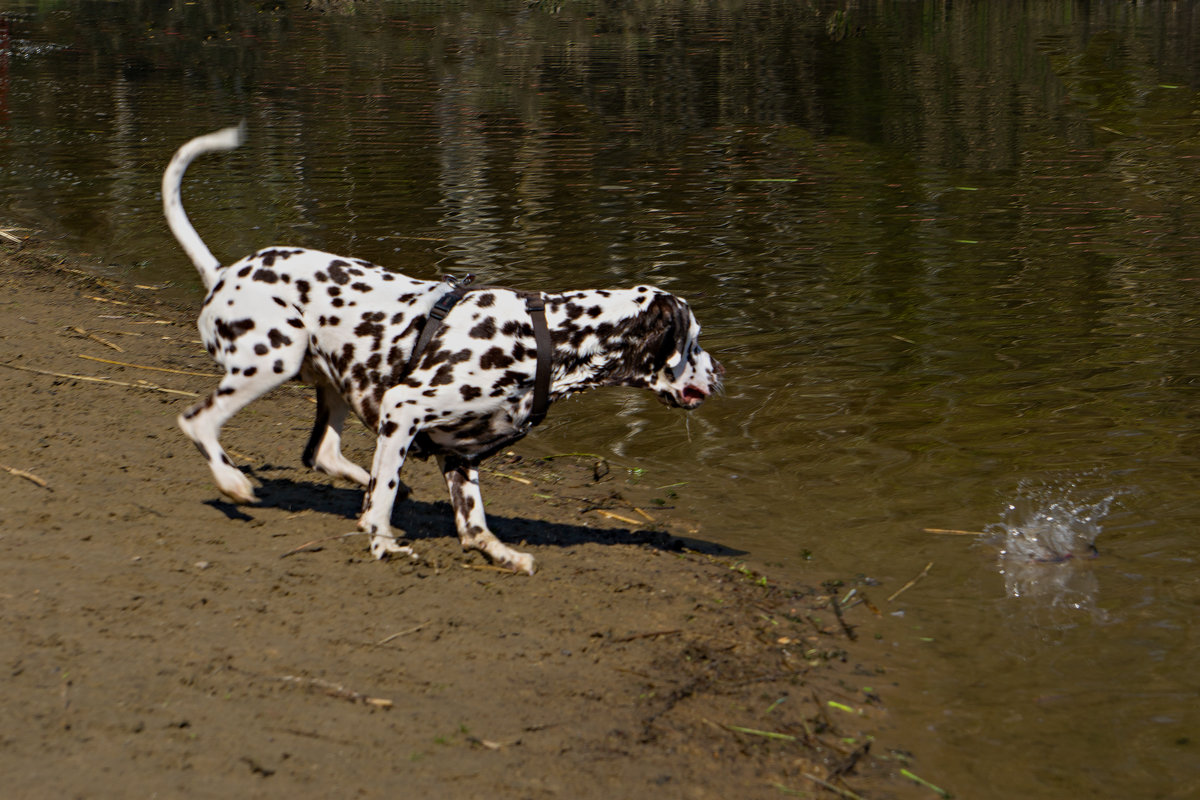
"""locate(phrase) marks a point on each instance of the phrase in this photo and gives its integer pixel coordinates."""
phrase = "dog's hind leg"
(462, 479)
(202, 422)
(324, 449)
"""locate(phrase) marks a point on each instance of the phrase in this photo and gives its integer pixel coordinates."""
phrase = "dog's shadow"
(417, 519)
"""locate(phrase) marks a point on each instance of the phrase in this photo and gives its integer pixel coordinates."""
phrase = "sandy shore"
(159, 641)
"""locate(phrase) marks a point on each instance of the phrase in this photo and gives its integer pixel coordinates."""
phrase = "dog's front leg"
(396, 432)
(462, 479)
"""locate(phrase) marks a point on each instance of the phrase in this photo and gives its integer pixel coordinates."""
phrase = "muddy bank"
(159, 640)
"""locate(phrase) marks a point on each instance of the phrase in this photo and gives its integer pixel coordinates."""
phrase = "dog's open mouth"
(692, 396)
(689, 397)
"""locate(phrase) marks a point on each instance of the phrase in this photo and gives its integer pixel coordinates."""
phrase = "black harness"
(535, 304)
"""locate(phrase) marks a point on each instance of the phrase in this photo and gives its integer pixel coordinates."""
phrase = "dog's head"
(663, 353)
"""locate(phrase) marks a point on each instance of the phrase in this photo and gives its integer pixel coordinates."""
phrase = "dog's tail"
(177, 219)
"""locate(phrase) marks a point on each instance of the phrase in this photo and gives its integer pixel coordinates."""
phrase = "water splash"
(1045, 534)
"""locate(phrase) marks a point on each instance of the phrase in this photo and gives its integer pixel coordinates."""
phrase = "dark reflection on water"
(944, 250)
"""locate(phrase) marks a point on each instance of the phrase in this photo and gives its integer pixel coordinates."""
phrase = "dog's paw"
(237, 487)
(347, 470)
(383, 547)
(518, 562)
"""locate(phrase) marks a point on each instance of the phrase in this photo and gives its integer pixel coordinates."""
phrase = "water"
(947, 253)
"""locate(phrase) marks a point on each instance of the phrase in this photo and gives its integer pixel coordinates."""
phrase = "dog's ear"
(666, 326)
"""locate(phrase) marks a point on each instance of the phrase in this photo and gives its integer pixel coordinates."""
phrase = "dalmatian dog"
(351, 329)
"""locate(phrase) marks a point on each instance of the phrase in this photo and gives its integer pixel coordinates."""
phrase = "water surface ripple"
(947, 252)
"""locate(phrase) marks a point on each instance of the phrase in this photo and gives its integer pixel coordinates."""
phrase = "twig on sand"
(336, 690)
(404, 632)
(835, 789)
(918, 779)
(650, 635)
(315, 544)
(29, 476)
(516, 478)
(911, 583)
(143, 366)
(99, 339)
(93, 379)
(837, 612)
(786, 737)
(618, 517)
(488, 568)
(952, 532)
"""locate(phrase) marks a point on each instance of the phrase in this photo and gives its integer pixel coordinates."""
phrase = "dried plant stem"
(611, 515)
(29, 476)
(96, 338)
(336, 690)
(911, 583)
(143, 366)
(516, 478)
(404, 632)
(93, 379)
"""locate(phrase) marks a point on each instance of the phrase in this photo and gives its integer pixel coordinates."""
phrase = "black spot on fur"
(337, 272)
(250, 372)
(304, 287)
(443, 376)
(244, 271)
(266, 276)
(232, 330)
(278, 339)
(485, 300)
(261, 349)
(485, 329)
(295, 322)
(277, 367)
(470, 392)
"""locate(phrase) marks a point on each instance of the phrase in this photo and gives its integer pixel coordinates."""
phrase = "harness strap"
(440, 309)
(535, 304)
